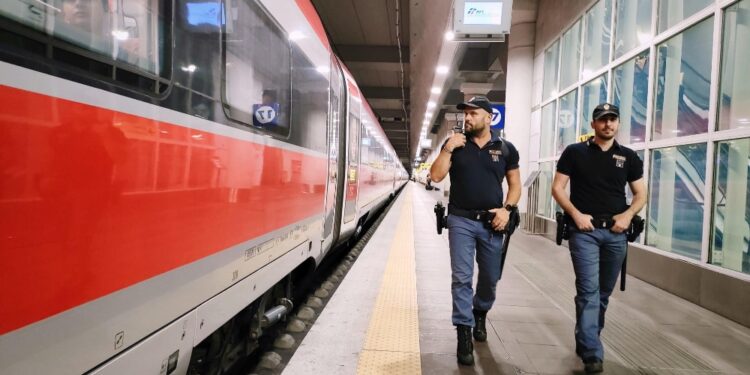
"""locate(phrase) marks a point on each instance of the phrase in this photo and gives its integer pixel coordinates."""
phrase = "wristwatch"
(510, 207)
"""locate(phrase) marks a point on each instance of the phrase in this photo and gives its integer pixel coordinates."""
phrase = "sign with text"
(498, 116)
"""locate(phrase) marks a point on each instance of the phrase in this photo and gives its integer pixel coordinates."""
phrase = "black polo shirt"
(598, 178)
(477, 174)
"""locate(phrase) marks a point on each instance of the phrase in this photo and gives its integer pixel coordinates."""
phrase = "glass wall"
(631, 95)
(731, 208)
(690, 122)
(676, 202)
(544, 201)
(734, 98)
(633, 25)
(683, 78)
(597, 38)
(571, 55)
(594, 93)
(566, 121)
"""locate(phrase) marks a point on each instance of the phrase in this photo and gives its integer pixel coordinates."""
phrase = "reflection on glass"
(594, 93)
(629, 195)
(673, 11)
(566, 121)
(548, 130)
(631, 95)
(596, 46)
(551, 62)
(676, 201)
(683, 80)
(633, 25)
(734, 99)
(731, 211)
(571, 55)
(544, 200)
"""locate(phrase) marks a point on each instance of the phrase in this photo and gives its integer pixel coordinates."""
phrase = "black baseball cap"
(477, 102)
(605, 109)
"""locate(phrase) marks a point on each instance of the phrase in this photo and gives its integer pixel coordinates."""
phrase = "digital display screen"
(483, 13)
(205, 14)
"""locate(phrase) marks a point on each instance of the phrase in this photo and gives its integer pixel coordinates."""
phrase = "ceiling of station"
(364, 35)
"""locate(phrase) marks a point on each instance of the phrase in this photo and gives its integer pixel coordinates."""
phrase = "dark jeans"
(467, 237)
(597, 259)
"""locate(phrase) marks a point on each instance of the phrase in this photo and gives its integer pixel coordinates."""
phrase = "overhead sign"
(498, 116)
(477, 13)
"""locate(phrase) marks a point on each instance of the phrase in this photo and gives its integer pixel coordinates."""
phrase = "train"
(170, 172)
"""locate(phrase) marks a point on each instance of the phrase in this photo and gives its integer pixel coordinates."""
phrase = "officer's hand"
(455, 141)
(622, 222)
(584, 222)
(501, 218)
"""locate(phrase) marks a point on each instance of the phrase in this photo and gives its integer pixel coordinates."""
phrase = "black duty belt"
(477, 215)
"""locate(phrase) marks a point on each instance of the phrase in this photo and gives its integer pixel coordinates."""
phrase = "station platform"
(392, 314)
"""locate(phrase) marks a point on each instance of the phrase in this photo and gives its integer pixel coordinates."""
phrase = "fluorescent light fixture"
(435, 90)
(431, 104)
(450, 35)
(442, 69)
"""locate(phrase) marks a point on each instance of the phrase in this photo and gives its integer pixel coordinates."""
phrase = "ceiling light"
(297, 35)
(435, 90)
(431, 104)
(190, 68)
(449, 35)
(442, 69)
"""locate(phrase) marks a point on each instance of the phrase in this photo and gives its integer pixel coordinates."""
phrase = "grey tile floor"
(648, 331)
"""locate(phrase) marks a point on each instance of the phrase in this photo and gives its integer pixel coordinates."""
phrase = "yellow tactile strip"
(392, 342)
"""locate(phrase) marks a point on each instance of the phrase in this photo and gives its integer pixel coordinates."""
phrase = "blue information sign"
(498, 116)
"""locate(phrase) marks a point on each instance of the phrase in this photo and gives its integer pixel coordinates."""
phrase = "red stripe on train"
(93, 200)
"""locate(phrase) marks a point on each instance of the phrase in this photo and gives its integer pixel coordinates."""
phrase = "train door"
(336, 143)
(352, 171)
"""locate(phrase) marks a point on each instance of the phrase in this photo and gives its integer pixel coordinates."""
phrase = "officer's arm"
(514, 187)
(558, 192)
(638, 187)
(440, 166)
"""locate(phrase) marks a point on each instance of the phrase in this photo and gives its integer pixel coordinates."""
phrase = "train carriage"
(169, 168)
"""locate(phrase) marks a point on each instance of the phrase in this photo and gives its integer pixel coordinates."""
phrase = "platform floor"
(399, 288)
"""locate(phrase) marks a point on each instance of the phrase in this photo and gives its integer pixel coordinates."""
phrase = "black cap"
(605, 109)
(477, 102)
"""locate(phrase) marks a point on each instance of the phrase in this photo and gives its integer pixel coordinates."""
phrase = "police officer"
(476, 212)
(598, 218)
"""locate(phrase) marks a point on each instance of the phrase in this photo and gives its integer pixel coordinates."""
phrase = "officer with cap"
(598, 217)
(478, 161)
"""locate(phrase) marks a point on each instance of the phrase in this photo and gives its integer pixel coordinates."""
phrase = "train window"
(257, 69)
(129, 31)
(309, 102)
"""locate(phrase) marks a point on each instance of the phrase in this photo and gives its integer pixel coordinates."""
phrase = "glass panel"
(131, 32)
(597, 39)
(633, 25)
(629, 195)
(258, 71)
(672, 12)
(571, 56)
(544, 200)
(676, 202)
(548, 130)
(731, 231)
(566, 120)
(594, 93)
(683, 80)
(551, 62)
(309, 102)
(631, 95)
(734, 102)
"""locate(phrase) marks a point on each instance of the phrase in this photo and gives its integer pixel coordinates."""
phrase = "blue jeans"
(597, 259)
(465, 237)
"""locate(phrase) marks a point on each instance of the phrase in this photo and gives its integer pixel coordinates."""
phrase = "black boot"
(465, 350)
(480, 327)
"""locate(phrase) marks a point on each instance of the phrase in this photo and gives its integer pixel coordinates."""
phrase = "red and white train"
(168, 170)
